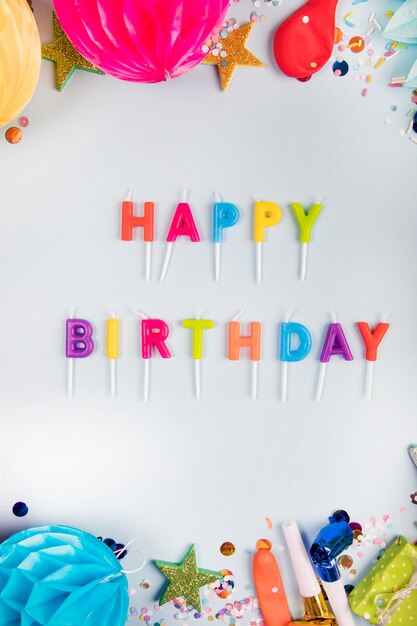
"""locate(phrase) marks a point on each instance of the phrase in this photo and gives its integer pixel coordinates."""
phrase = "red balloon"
(303, 43)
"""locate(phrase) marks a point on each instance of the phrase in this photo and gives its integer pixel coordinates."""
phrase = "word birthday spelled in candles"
(295, 342)
(224, 215)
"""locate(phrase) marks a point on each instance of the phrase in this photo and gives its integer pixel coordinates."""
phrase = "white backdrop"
(178, 471)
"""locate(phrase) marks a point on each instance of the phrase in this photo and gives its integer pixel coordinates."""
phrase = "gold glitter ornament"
(185, 579)
(61, 51)
(236, 54)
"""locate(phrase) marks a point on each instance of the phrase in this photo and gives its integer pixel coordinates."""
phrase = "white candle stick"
(197, 378)
(320, 382)
(167, 259)
(322, 370)
(254, 382)
(170, 244)
(284, 380)
(369, 379)
(148, 260)
(217, 248)
(113, 378)
(146, 379)
(70, 378)
(303, 260)
(258, 261)
(146, 364)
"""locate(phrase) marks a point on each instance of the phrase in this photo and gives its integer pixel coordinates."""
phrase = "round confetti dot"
(205, 49)
(340, 68)
(337, 35)
(23, 121)
(227, 548)
(263, 544)
(370, 52)
(393, 108)
(313, 64)
(13, 134)
(345, 561)
(341, 48)
(361, 554)
(355, 526)
(356, 44)
(274, 590)
(305, 19)
(20, 509)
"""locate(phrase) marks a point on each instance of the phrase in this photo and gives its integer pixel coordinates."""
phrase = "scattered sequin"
(23, 121)
(345, 561)
(268, 522)
(356, 44)
(20, 509)
(145, 584)
(13, 134)
(225, 585)
(227, 548)
(340, 68)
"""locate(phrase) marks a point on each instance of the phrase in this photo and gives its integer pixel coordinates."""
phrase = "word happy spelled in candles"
(224, 215)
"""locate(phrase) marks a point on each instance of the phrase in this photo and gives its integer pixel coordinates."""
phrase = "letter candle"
(130, 221)
(79, 345)
(289, 354)
(335, 343)
(266, 214)
(305, 222)
(371, 339)
(197, 326)
(154, 332)
(182, 225)
(112, 349)
(225, 215)
(252, 341)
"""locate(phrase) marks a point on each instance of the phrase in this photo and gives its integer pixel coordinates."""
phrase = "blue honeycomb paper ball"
(60, 576)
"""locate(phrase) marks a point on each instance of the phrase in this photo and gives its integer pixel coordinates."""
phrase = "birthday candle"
(130, 221)
(288, 354)
(372, 340)
(79, 345)
(182, 225)
(197, 326)
(154, 335)
(112, 350)
(335, 343)
(225, 215)
(251, 341)
(305, 222)
(266, 214)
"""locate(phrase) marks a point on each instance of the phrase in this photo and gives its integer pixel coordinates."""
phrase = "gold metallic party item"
(61, 51)
(232, 54)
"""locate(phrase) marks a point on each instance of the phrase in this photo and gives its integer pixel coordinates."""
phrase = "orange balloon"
(20, 57)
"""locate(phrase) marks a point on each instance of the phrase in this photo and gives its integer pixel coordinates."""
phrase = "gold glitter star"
(185, 579)
(236, 54)
(67, 59)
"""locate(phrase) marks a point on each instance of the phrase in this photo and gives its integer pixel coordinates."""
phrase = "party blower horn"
(316, 611)
(329, 543)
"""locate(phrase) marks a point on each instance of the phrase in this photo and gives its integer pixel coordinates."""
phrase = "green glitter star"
(61, 51)
(185, 579)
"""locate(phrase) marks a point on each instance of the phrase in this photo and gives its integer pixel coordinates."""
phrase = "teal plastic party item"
(60, 576)
(403, 24)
